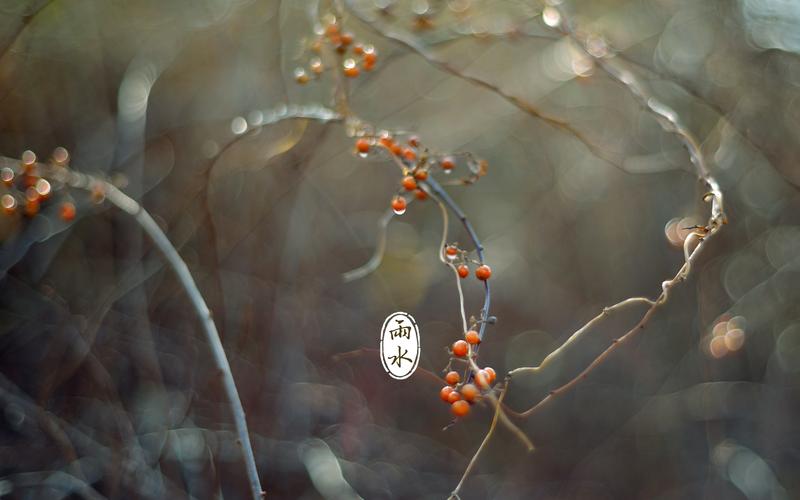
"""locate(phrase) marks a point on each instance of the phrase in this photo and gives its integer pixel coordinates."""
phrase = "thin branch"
(443, 259)
(615, 344)
(670, 122)
(439, 192)
(518, 102)
(667, 117)
(377, 257)
(368, 350)
(498, 404)
(135, 210)
(580, 333)
(497, 411)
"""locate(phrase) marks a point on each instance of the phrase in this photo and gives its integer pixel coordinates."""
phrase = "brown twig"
(670, 122)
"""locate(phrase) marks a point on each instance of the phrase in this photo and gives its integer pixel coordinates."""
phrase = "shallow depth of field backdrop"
(107, 388)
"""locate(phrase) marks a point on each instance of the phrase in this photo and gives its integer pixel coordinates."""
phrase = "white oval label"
(400, 346)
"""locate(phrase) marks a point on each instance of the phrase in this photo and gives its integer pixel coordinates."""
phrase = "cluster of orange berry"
(461, 263)
(25, 188)
(461, 396)
(416, 161)
(342, 42)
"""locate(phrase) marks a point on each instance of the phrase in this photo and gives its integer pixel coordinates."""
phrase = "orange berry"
(413, 140)
(469, 392)
(452, 377)
(460, 348)
(463, 271)
(316, 66)
(332, 29)
(300, 76)
(420, 174)
(346, 38)
(351, 72)
(421, 195)
(399, 205)
(409, 184)
(362, 145)
(368, 67)
(29, 180)
(482, 379)
(387, 141)
(448, 163)
(31, 207)
(483, 272)
(409, 154)
(67, 211)
(370, 58)
(453, 397)
(491, 373)
(451, 250)
(445, 392)
(472, 337)
(98, 193)
(396, 149)
(459, 408)
(358, 49)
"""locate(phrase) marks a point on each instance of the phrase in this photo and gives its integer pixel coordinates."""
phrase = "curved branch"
(377, 257)
(518, 102)
(135, 210)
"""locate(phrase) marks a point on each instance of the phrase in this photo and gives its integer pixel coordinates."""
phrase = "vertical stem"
(135, 210)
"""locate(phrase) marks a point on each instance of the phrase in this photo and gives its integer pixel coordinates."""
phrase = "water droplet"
(43, 188)
(60, 155)
(363, 155)
(28, 157)
(238, 125)
(551, 17)
(7, 175)
(8, 202)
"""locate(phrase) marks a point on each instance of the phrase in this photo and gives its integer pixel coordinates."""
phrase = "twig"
(670, 122)
(518, 102)
(441, 194)
(135, 210)
(367, 350)
(579, 333)
(654, 306)
(474, 460)
(472, 368)
(443, 259)
(377, 257)
(503, 417)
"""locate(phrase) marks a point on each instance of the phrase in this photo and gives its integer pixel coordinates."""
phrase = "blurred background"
(105, 381)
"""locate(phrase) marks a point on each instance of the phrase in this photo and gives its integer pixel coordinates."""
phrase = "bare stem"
(579, 333)
(444, 199)
(557, 123)
(693, 245)
(135, 210)
(497, 411)
(377, 257)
